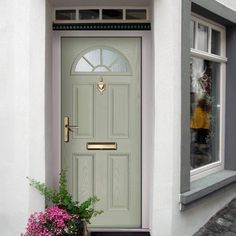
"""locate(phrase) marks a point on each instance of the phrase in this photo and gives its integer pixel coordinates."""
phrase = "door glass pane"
(101, 69)
(215, 42)
(83, 66)
(202, 38)
(108, 57)
(65, 14)
(115, 14)
(136, 14)
(192, 33)
(205, 112)
(119, 66)
(93, 57)
(101, 60)
(90, 14)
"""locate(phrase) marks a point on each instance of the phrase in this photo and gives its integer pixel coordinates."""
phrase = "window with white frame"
(207, 92)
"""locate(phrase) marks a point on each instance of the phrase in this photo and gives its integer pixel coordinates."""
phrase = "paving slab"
(223, 223)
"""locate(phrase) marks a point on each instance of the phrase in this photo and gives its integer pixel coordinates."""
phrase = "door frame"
(147, 107)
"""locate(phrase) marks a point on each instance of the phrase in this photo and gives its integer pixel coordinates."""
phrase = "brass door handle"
(68, 128)
(71, 126)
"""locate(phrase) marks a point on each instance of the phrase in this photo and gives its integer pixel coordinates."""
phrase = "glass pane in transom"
(215, 42)
(136, 14)
(90, 14)
(192, 34)
(112, 14)
(202, 38)
(66, 14)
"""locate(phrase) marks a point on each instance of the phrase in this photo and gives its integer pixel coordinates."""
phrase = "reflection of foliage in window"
(200, 77)
(204, 85)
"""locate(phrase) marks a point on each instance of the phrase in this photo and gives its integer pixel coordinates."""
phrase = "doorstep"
(123, 233)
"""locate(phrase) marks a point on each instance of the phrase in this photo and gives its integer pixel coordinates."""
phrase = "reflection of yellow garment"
(200, 119)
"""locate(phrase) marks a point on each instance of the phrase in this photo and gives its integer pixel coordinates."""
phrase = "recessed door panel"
(82, 184)
(119, 110)
(83, 110)
(119, 182)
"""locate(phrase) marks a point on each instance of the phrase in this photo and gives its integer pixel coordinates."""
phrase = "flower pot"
(85, 231)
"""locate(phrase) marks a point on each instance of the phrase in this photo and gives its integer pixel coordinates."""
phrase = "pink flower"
(54, 221)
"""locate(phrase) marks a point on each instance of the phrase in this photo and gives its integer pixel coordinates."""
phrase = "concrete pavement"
(221, 224)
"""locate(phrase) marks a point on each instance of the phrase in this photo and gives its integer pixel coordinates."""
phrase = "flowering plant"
(65, 217)
(54, 221)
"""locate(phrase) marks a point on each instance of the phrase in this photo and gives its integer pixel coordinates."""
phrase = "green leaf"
(65, 200)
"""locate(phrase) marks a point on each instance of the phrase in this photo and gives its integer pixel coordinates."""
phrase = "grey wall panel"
(230, 132)
(185, 97)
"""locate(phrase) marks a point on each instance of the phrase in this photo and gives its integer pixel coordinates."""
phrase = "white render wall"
(167, 71)
(22, 73)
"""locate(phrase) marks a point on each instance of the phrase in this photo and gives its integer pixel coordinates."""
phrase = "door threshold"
(118, 232)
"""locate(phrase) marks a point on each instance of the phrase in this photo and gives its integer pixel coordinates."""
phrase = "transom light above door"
(105, 14)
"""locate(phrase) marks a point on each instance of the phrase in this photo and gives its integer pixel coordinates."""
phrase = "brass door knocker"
(101, 86)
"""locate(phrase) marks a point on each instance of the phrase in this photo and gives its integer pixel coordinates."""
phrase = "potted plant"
(65, 216)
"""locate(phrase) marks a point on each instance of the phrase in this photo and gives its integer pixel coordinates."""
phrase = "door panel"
(119, 110)
(119, 180)
(83, 113)
(82, 176)
(113, 115)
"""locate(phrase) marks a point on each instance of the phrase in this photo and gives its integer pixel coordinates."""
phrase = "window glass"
(101, 69)
(192, 34)
(83, 66)
(115, 14)
(202, 38)
(136, 14)
(205, 112)
(119, 65)
(108, 56)
(101, 60)
(65, 14)
(90, 14)
(93, 57)
(215, 42)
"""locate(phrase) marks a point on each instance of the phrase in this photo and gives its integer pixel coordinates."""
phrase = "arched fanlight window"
(101, 60)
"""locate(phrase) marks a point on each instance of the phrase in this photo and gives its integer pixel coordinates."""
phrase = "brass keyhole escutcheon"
(101, 86)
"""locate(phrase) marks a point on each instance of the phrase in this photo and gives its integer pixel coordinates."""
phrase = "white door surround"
(147, 107)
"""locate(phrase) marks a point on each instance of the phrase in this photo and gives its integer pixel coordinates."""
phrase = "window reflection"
(136, 14)
(192, 33)
(215, 42)
(202, 38)
(90, 14)
(205, 101)
(115, 14)
(65, 14)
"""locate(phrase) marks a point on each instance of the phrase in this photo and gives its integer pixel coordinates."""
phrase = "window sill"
(207, 185)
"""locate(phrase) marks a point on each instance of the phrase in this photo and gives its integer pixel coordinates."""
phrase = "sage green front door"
(101, 94)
